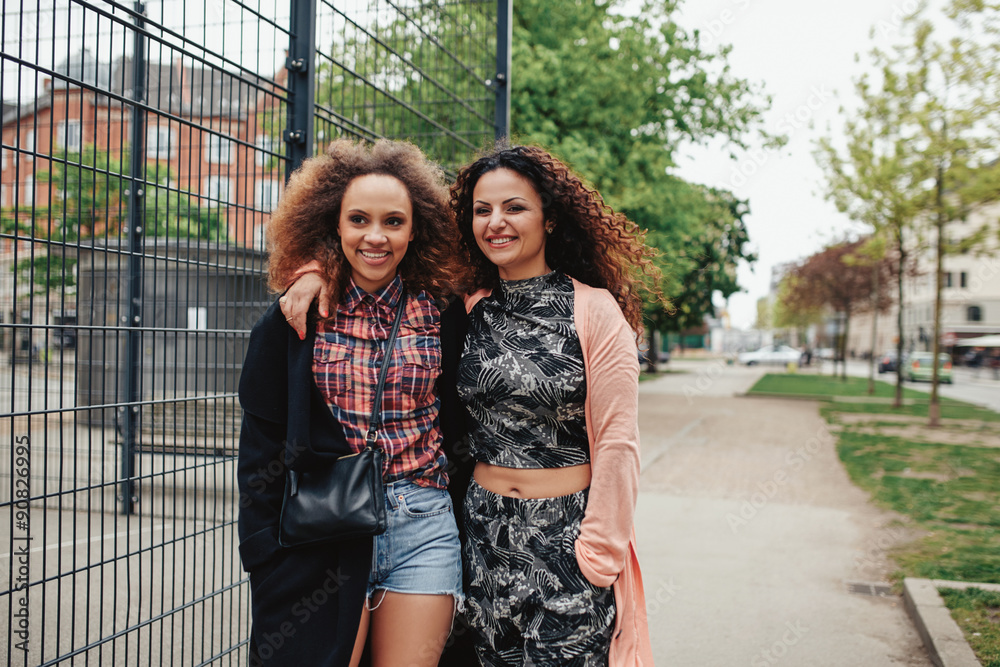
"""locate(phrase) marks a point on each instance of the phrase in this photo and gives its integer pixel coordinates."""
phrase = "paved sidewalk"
(749, 533)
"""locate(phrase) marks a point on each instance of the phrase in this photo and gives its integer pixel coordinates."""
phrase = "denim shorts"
(419, 551)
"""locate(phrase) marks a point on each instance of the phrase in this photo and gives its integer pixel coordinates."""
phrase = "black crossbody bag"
(343, 498)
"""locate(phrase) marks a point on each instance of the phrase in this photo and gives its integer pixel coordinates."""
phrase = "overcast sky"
(803, 53)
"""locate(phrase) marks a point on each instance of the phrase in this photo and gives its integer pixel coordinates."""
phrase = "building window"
(947, 279)
(216, 190)
(265, 195)
(218, 150)
(159, 143)
(963, 279)
(974, 314)
(265, 146)
(29, 145)
(259, 237)
(72, 138)
(29, 191)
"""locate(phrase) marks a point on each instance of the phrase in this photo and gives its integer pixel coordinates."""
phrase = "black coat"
(307, 602)
(454, 420)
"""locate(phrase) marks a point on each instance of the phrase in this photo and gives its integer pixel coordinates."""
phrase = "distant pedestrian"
(976, 361)
(995, 365)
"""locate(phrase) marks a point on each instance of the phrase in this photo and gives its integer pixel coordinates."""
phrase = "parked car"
(917, 367)
(770, 354)
(827, 354)
(888, 362)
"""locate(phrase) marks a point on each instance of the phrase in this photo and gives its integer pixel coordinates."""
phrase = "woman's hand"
(296, 300)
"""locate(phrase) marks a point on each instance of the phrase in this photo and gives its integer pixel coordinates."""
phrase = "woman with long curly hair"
(541, 358)
(376, 217)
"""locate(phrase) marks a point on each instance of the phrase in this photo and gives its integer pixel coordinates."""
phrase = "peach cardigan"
(605, 548)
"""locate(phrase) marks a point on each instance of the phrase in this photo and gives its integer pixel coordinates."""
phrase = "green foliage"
(699, 257)
(87, 194)
(420, 93)
(921, 150)
(612, 89)
(787, 314)
(616, 94)
(47, 272)
(89, 202)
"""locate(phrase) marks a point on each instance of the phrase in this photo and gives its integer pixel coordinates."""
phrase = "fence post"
(136, 229)
(301, 62)
(505, 23)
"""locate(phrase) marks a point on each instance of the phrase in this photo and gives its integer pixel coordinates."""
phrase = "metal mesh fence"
(143, 146)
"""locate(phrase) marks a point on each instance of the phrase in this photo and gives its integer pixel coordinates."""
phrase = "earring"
(549, 228)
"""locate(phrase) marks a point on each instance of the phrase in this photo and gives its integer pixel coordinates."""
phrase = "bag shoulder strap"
(376, 414)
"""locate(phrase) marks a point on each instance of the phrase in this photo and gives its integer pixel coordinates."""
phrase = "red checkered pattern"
(347, 357)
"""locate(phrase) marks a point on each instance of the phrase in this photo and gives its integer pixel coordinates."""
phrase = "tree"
(839, 278)
(714, 241)
(955, 86)
(87, 203)
(923, 146)
(785, 314)
(617, 95)
(612, 89)
(877, 180)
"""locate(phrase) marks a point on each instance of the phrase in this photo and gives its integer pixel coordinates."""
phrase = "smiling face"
(376, 227)
(509, 224)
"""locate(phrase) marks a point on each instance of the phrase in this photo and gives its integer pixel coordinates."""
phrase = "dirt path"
(750, 533)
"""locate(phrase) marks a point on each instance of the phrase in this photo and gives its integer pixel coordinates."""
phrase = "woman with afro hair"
(377, 219)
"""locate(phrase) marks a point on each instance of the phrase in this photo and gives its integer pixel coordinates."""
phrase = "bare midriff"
(532, 482)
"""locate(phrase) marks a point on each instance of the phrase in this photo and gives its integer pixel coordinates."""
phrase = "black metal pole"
(136, 229)
(299, 134)
(505, 23)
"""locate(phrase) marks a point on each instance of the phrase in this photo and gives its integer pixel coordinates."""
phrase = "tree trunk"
(876, 270)
(900, 272)
(652, 355)
(934, 411)
(843, 345)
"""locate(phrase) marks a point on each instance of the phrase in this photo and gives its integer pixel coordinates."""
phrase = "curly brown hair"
(590, 241)
(304, 224)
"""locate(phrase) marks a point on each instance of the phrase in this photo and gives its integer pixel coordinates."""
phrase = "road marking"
(97, 538)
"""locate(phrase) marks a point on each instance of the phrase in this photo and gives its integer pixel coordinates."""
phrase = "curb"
(942, 637)
(873, 400)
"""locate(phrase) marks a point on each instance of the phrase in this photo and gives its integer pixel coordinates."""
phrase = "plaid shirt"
(347, 357)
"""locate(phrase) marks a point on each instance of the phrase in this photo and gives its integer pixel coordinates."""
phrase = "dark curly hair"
(304, 224)
(590, 241)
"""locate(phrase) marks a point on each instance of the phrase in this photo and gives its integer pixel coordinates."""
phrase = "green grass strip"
(977, 612)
